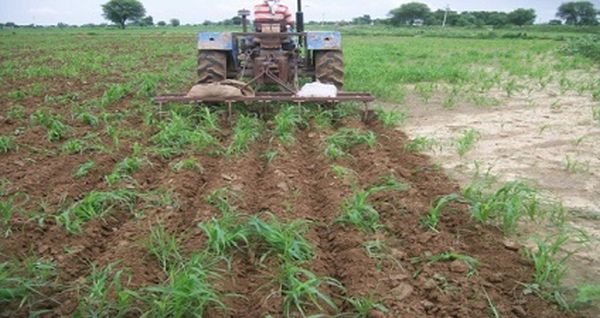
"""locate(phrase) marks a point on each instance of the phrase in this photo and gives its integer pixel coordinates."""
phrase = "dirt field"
(107, 208)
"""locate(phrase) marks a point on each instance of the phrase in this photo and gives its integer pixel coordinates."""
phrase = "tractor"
(271, 61)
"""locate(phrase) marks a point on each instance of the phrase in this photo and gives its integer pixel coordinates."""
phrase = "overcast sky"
(48, 12)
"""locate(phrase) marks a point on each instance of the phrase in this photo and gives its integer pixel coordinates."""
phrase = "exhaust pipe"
(299, 18)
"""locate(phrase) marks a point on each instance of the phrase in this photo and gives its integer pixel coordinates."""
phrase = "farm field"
(108, 208)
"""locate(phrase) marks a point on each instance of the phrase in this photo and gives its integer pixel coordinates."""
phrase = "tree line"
(132, 12)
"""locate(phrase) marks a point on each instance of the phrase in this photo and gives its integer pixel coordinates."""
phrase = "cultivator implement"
(266, 98)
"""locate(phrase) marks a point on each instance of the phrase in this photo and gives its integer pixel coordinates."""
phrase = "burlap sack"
(219, 90)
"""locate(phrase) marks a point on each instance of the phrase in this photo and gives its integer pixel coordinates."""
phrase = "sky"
(49, 12)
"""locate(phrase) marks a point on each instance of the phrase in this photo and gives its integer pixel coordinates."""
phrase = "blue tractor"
(271, 55)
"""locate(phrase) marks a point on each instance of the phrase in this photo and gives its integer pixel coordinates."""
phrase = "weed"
(507, 206)
(88, 119)
(99, 288)
(363, 307)
(164, 247)
(95, 205)
(466, 142)
(283, 240)
(340, 142)
(247, 130)
(432, 219)
(420, 144)
(378, 250)
(390, 119)
(286, 122)
(190, 163)
(84, 169)
(73, 146)
(7, 144)
(220, 199)
(16, 112)
(186, 293)
(301, 288)
(124, 168)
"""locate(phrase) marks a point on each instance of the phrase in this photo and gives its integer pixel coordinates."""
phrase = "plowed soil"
(298, 184)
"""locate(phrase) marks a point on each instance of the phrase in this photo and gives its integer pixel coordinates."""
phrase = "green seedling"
(392, 118)
(420, 144)
(22, 284)
(363, 307)
(7, 143)
(379, 251)
(286, 123)
(124, 169)
(323, 119)
(549, 263)
(9, 206)
(95, 205)
(432, 219)
(246, 131)
(187, 291)
(179, 133)
(164, 247)
(210, 120)
(337, 145)
(84, 169)
(466, 142)
(103, 293)
(470, 261)
(301, 289)
(190, 164)
(283, 240)
(270, 155)
(16, 112)
(506, 206)
(225, 234)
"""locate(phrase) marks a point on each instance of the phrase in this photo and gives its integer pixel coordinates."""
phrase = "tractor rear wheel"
(212, 66)
(329, 67)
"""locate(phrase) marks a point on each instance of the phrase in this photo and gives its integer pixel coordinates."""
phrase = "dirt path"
(549, 140)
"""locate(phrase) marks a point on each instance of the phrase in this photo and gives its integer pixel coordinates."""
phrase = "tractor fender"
(222, 41)
(324, 40)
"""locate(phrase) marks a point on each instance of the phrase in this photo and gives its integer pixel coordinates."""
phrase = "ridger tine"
(269, 58)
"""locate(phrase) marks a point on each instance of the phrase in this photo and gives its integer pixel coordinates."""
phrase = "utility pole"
(446, 16)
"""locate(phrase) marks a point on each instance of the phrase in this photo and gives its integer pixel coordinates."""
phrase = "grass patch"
(246, 131)
(104, 295)
(392, 118)
(286, 122)
(164, 247)
(179, 133)
(285, 240)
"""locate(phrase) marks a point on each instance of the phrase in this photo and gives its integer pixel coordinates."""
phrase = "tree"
(147, 21)
(409, 12)
(555, 22)
(578, 13)
(62, 25)
(522, 17)
(161, 23)
(175, 22)
(121, 11)
(365, 19)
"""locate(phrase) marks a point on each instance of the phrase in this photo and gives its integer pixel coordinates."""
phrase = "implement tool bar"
(268, 97)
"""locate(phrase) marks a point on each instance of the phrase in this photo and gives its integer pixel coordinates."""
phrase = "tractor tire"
(329, 68)
(212, 66)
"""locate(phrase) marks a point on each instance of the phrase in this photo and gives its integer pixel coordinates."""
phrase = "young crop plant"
(323, 118)
(225, 233)
(575, 166)
(246, 131)
(379, 250)
(364, 306)
(420, 144)
(188, 291)
(124, 169)
(466, 142)
(210, 120)
(103, 294)
(23, 283)
(16, 112)
(286, 122)
(283, 240)
(179, 133)
(506, 206)
(165, 247)
(113, 94)
(432, 219)
(7, 143)
(301, 289)
(392, 118)
(95, 205)
(337, 145)
(190, 164)
(88, 119)
(9, 205)
(74, 146)
(588, 295)
(84, 169)
(56, 128)
(357, 210)
(220, 199)
(270, 155)
(549, 261)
